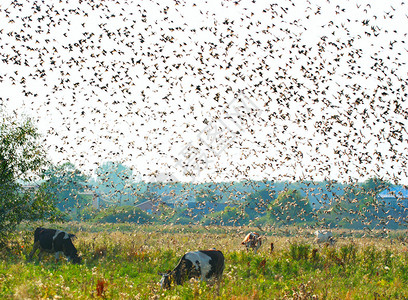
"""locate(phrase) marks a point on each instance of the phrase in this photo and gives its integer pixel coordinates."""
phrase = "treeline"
(119, 193)
(33, 189)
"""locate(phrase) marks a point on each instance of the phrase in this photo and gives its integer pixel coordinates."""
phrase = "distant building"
(150, 207)
(395, 197)
(147, 206)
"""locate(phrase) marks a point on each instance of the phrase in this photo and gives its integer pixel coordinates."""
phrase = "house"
(395, 197)
(151, 207)
(147, 206)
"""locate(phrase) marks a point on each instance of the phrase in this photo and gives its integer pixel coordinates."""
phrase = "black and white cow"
(54, 241)
(202, 264)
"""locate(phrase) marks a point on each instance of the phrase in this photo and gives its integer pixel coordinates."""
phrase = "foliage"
(115, 181)
(65, 183)
(205, 194)
(181, 216)
(230, 216)
(256, 203)
(299, 251)
(290, 207)
(22, 159)
(359, 207)
(326, 203)
(117, 214)
(88, 213)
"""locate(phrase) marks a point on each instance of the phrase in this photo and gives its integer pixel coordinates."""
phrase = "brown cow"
(252, 240)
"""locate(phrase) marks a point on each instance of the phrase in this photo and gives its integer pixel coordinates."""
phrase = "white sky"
(216, 90)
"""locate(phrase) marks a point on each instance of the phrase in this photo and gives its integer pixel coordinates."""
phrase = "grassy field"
(122, 263)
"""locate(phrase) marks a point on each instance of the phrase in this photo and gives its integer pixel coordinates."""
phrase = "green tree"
(230, 216)
(207, 200)
(290, 207)
(115, 180)
(362, 205)
(204, 195)
(257, 202)
(122, 214)
(65, 183)
(374, 185)
(22, 160)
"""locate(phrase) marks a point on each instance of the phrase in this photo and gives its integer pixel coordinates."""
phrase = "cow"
(252, 241)
(201, 264)
(324, 236)
(54, 241)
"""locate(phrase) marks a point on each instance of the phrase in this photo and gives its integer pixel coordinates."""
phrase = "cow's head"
(166, 279)
(71, 252)
(75, 259)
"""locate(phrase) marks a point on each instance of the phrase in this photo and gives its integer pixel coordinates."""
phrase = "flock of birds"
(215, 90)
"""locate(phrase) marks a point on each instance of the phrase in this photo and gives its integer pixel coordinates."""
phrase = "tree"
(363, 206)
(115, 180)
(230, 216)
(206, 200)
(374, 185)
(65, 183)
(257, 202)
(22, 160)
(122, 214)
(289, 207)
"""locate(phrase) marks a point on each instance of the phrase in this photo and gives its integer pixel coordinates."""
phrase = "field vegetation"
(121, 261)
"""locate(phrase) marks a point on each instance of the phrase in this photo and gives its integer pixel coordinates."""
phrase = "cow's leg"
(57, 255)
(257, 246)
(41, 254)
(218, 279)
(35, 247)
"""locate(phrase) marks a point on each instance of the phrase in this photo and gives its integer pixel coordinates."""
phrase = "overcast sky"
(214, 90)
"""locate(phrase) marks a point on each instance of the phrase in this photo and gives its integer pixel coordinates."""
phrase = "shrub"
(348, 253)
(123, 214)
(299, 251)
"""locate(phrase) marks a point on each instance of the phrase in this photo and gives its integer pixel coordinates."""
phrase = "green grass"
(124, 265)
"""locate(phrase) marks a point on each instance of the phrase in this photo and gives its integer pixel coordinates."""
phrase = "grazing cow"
(252, 240)
(54, 241)
(202, 264)
(324, 236)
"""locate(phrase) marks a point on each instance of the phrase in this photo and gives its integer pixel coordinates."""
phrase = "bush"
(299, 251)
(348, 253)
(88, 213)
(123, 214)
(230, 216)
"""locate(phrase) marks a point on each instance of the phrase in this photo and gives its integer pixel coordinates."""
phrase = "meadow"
(122, 262)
